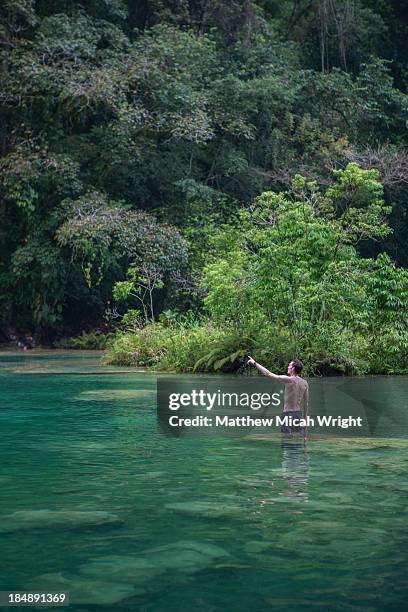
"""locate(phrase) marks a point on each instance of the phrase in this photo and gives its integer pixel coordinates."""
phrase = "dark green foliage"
(292, 283)
(87, 341)
(131, 132)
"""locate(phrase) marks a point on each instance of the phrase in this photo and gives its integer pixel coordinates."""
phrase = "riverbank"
(207, 347)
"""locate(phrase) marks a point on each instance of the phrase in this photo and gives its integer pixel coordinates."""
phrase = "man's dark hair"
(298, 365)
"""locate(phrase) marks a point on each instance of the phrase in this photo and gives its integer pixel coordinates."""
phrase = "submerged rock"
(205, 548)
(255, 546)
(84, 591)
(337, 445)
(127, 569)
(334, 444)
(183, 557)
(206, 509)
(55, 519)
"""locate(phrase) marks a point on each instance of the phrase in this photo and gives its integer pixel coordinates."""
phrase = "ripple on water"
(207, 509)
(300, 525)
(24, 520)
(113, 394)
(111, 579)
(83, 590)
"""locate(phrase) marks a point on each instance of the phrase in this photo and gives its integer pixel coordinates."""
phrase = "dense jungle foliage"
(188, 181)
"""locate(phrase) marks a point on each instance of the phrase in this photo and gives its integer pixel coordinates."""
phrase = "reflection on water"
(94, 501)
(295, 465)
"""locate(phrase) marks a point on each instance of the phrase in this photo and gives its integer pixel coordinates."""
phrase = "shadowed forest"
(186, 182)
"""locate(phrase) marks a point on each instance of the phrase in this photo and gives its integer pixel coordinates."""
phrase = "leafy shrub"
(210, 348)
(166, 347)
(142, 347)
(95, 340)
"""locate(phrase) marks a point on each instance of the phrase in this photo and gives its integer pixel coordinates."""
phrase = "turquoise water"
(95, 502)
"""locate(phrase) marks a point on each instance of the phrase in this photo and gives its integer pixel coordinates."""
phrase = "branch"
(392, 165)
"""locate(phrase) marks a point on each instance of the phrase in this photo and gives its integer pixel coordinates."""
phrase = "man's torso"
(295, 391)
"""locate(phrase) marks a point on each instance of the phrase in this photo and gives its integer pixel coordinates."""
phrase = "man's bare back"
(296, 387)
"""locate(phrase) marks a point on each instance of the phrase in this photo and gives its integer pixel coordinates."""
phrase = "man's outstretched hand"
(251, 361)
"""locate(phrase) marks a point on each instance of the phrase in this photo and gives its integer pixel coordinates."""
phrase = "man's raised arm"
(266, 372)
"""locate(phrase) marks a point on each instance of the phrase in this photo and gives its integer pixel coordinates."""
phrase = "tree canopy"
(131, 132)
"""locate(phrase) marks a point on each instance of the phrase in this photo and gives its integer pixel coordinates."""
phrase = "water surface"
(161, 524)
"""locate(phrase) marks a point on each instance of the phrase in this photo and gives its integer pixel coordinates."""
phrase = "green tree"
(294, 263)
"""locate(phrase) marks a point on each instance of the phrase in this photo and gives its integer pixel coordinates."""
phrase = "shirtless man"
(296, 391)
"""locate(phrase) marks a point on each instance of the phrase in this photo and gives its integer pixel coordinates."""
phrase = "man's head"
(295, 367)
